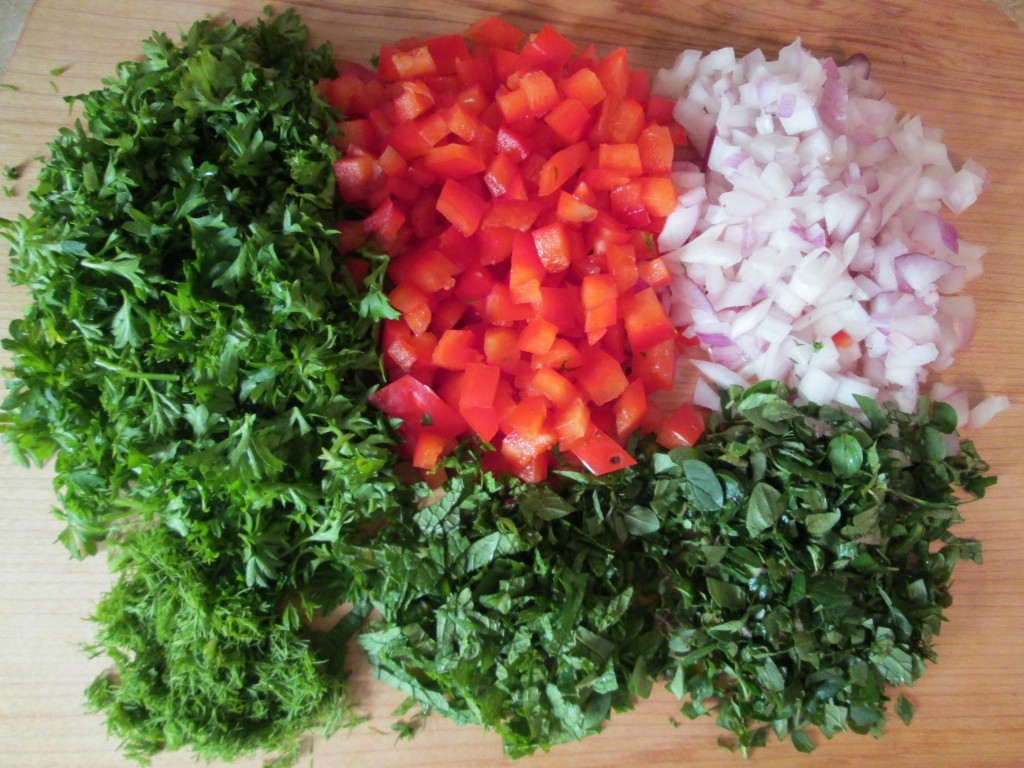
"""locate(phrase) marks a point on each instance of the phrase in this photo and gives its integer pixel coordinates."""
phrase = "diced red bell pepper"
(629, 409)
(601, 377)
(554, 246)
(562, 167)
(430, 447)
(456, 349)
(600, 454)
(414, 402)
(646, 322)
(455, 161)
(683, 427)
(537, 336)
(496, 33)
(461, 206)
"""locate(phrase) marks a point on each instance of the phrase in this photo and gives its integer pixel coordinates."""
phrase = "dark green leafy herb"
(197, 368)
(781, 577)
(813, 586)
(58, 71)
(12, 172)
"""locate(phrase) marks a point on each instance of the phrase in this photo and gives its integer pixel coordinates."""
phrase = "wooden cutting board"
(959, 63)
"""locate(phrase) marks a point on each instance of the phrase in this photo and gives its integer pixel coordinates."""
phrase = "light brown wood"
(959, 63)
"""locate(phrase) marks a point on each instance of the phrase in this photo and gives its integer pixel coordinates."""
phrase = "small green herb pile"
(197, 366)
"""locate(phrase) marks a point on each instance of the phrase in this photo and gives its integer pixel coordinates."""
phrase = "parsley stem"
(140, 375)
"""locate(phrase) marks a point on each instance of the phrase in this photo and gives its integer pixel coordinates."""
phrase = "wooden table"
(959, 63)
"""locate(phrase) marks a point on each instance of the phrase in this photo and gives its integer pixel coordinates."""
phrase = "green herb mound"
(782, 574)
(198, 367)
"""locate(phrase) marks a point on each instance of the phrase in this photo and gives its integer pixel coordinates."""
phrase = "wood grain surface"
(959, 63)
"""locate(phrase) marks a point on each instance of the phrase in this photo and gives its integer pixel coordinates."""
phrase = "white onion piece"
(810, 245)
(987, 409)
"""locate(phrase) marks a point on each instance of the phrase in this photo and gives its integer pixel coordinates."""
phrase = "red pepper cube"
(572, 210)
(572, 423)
(598, 290)
(511, 214)
(456, 349)
(413, 63)
(600, 454)
(495, 33)
(392, 163)
(547, 50)
(501, 348)
(535, 471)
(629, 409)
(656, 150)
(627, 202)
(601, 377)
(527, 271)
(412, 303)
(621, 261)
(474, 284)
(560, 305)
(503, 63)
(513, 143)
(537, 336)
(553, 386)
(584, 86)
(500, 308)
(495, 244)
(514, 104)
(479, 386)
(462, 122)
(454, 161)
(461, 206)
(415, 99)
(448, 314)
(553, 246)
(386, 221)
(561, 167)
(627, 121)
(447, 51)
(429, 270)
(354, 176)
(624, 158)
(414, 402)
(408, 141)
(683, 427)
(659, 195)
(541, 94)
(474, 99)
(430, 447)
(569, 121)
(613, 72)
(656, 366)
(500, 174)
(564, 356)
(645, 320)
(655, 272)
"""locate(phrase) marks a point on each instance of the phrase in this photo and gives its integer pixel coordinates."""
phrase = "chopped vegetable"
(814, 219)
(516, 188)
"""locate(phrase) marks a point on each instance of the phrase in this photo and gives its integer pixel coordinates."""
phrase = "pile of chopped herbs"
(197, 367)
(196, 363)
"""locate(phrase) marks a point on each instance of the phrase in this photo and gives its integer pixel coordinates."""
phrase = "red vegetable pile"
(518, 185)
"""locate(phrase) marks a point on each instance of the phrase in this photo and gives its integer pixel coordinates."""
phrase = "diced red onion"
(815, 212)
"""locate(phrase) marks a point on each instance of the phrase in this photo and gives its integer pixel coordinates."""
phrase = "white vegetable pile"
(808, 245)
